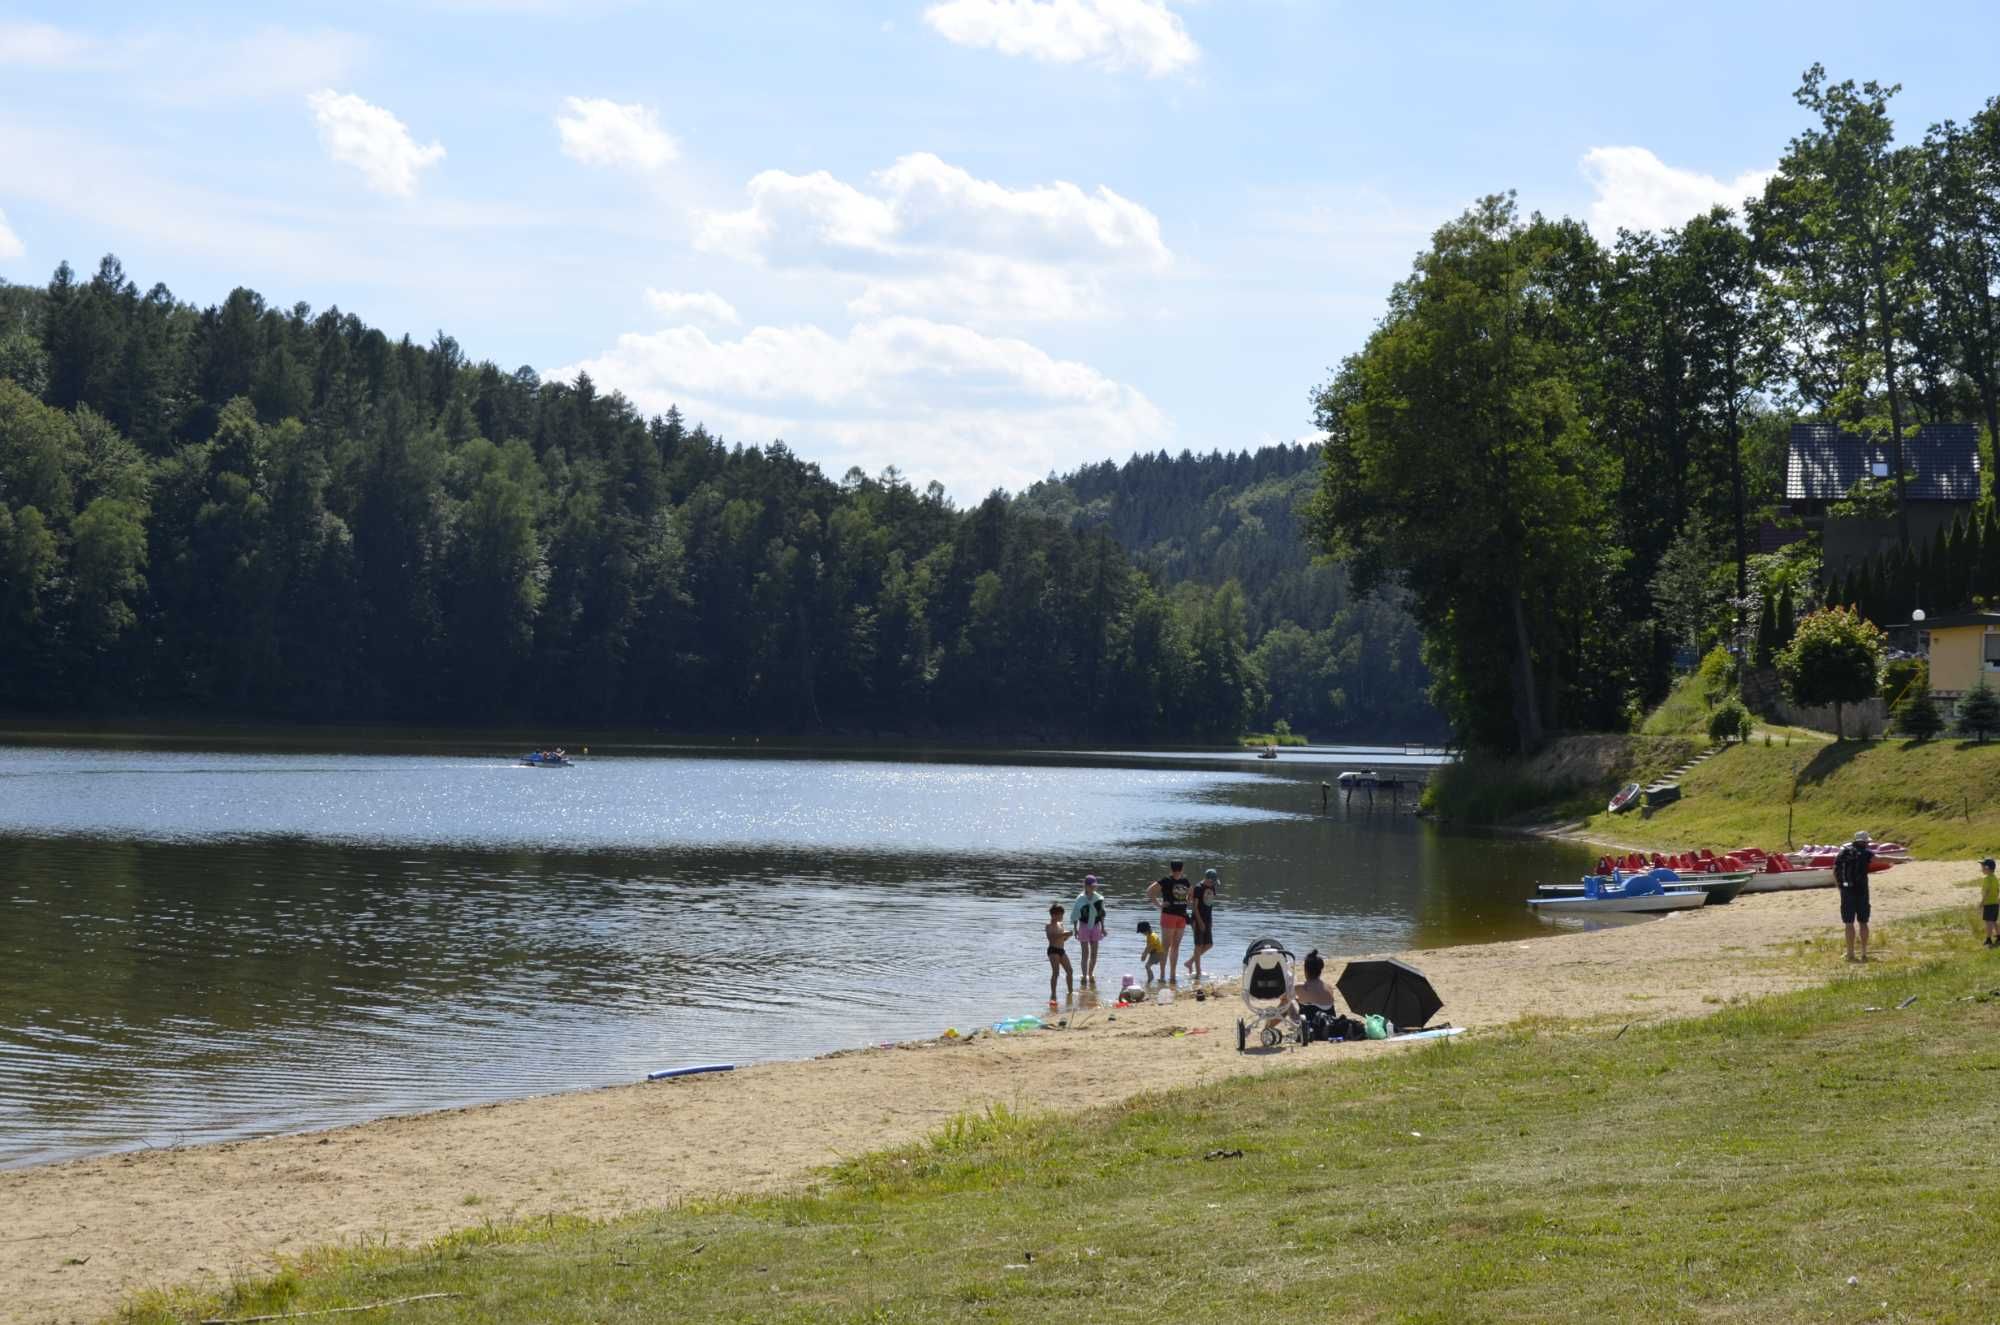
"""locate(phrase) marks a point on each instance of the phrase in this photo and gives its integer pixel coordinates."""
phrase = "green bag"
(1377, 1026)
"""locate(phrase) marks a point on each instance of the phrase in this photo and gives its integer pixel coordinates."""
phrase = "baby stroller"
(1267, 987)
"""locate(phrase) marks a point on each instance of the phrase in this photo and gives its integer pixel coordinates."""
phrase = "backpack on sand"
(1377, 1026)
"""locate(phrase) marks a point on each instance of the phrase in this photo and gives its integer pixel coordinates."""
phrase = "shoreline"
(94, 1230)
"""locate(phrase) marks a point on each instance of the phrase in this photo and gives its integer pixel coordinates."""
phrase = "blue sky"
(975, 239)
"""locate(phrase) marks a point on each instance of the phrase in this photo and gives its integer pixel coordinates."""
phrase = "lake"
(198, 945)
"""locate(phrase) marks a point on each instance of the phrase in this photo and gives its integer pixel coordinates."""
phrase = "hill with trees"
(256, 511)
(1333, 662)
(1556, 444)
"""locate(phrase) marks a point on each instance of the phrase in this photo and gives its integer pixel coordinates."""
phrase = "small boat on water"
(1268, 752)
(1639, 893)
(1627, 797)
(556, 758)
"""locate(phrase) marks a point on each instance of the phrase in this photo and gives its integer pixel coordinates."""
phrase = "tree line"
(1559, 445)
(1333, 662)
(252, 511)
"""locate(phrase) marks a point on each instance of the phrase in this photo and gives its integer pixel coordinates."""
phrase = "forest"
(1559, 447)
(1335, 663)
(257, 512)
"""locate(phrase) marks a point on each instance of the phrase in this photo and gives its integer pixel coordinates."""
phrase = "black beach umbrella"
(1394, 990)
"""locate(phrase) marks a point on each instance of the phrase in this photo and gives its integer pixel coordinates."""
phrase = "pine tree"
(1979, 711)
(1788, 620)
(1767, 634)
(1917, 716)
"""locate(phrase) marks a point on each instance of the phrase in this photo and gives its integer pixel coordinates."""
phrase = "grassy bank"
(1261, 739)
(1745, 1165)
(1942, 797)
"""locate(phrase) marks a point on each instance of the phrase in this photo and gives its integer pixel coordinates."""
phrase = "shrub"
(1716, 675)
(1732, 722)
(1979, 711)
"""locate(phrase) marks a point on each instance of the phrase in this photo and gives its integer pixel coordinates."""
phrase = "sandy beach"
(82, 1234)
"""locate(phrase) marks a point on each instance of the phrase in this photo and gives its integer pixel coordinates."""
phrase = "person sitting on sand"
(1312, 999)
(1058, 959)
(1313, 992)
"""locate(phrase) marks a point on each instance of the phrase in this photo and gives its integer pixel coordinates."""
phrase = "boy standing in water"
(1086, 916)
(1058, 959)
(1202, 918)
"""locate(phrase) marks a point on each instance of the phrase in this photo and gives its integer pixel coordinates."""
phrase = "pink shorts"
(1171, 922)
(1090, 933)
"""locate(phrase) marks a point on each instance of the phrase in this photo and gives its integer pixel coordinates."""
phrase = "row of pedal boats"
(1642, 884)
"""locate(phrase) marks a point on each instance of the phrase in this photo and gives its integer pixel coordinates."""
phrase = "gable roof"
(1942, 462)
(1951, 621)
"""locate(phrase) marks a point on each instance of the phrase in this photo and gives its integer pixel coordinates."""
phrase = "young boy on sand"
(1989, 901)
(1156, 952)
(1058, 959)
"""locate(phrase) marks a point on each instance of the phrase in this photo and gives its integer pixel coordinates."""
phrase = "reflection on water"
(195, 946)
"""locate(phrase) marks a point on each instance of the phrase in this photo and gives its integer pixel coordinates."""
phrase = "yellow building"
(1963, 647)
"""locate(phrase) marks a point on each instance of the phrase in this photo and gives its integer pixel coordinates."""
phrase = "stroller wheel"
(1242, 1036)
(1273, 1037)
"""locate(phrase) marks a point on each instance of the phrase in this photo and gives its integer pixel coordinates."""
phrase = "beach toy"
(666, 1072)
(1163, 996)
(951, 1032)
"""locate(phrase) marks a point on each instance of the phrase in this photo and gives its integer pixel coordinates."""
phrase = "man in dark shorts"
(1850, 875)
(1989, 902)
(1201, 918)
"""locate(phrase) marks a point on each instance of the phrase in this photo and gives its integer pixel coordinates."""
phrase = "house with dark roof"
(1824, 462)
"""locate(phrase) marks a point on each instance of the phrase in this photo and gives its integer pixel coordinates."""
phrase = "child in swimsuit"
(1156, 952)
(1058, 959)
(1086, 916)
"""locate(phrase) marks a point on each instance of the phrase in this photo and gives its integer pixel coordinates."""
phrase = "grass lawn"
(1740, 1167)
(1942, 797)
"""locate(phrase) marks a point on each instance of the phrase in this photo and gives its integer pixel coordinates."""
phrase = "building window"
(1993, 653)
(1879, 468)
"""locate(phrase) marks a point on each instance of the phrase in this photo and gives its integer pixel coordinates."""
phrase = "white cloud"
(41, 45)
(791, 218)
(948, 401)
(1107, 33)
(1112, 34)
(373, 141)
(703, 306)
(930, 236)
(1638, 191)
(605, 133)
(10, 243)
(983, 289)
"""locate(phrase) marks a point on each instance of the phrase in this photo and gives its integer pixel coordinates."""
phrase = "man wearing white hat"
(1850, 872)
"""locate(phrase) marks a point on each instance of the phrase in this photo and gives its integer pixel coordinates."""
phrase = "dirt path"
(213, 1212)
